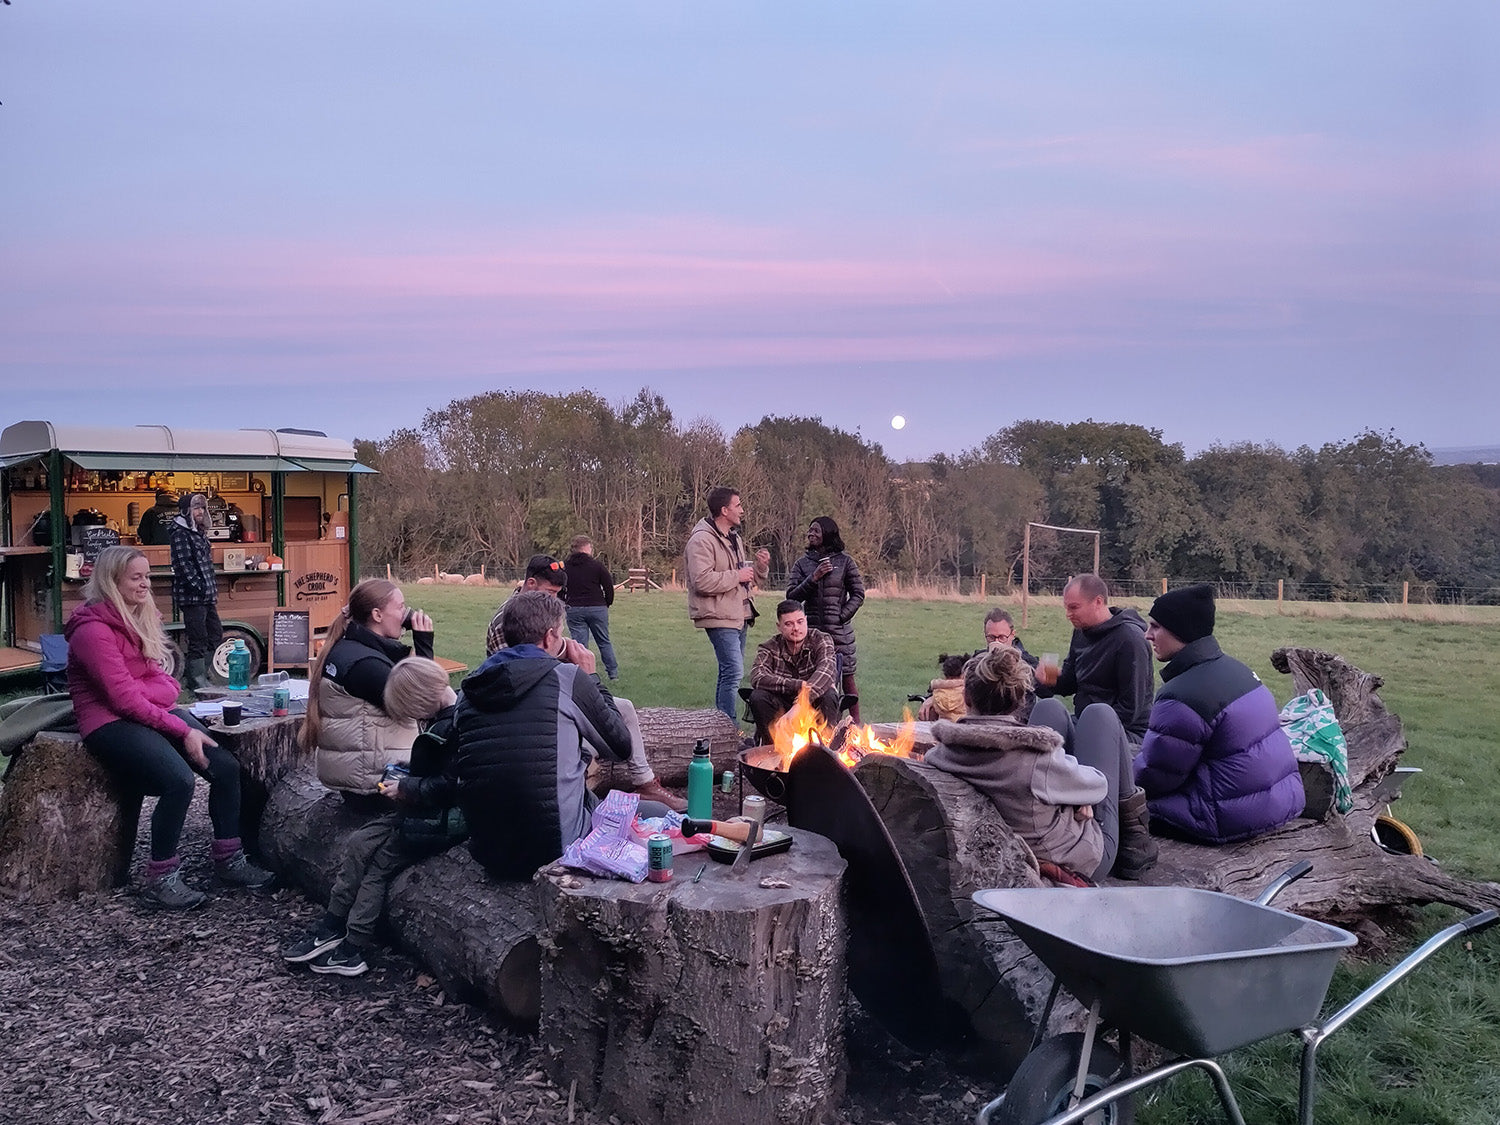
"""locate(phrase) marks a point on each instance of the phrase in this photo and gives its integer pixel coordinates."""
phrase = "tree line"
(494, 478)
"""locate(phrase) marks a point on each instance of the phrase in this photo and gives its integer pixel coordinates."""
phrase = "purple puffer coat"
(1215, 764)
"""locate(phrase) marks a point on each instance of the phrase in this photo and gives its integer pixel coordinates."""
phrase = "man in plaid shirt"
(194, 588)
(795, 656)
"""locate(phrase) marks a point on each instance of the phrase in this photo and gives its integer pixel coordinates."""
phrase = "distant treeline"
(497, 477)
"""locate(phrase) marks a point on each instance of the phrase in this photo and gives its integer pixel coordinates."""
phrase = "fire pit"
(891, 962)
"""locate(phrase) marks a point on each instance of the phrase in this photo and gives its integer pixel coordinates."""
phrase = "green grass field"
(1424, 1053)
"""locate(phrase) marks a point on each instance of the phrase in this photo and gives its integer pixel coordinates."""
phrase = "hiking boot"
(653, 790)
(1138, 851)
(311, 945)
(197, 675)
(169, 892)
(238, 871)
(344, 960)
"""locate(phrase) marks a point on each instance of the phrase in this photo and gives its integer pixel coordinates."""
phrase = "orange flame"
(804, 724)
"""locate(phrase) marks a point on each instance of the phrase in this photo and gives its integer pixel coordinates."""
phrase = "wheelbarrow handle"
(1280, 883)
(1481, 921)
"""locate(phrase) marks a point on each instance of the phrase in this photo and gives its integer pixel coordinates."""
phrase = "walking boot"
(1138, 851)
(197, 674)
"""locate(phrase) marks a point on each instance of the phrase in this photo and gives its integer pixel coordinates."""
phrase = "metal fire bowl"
(760, 765)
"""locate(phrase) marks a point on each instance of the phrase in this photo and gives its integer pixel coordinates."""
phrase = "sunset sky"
(1254, 221)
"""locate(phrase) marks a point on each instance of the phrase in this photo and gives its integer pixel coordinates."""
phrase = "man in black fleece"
(1108, 659)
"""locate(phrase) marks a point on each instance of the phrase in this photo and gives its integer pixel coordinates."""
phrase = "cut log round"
(476, 934)
(66, 828)
(721, 1000)
(267, 750)
(954, 842)
(669, 734)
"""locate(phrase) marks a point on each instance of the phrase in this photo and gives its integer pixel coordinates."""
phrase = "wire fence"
(980, 586)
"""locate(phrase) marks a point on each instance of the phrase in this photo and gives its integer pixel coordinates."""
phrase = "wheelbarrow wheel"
(1044, 1082)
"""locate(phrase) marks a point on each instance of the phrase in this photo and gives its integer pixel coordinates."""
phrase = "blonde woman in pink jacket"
(126, 705)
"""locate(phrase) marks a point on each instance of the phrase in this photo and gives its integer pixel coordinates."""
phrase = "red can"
(659, 858)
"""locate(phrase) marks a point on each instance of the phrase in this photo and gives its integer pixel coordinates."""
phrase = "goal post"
(1026, 559)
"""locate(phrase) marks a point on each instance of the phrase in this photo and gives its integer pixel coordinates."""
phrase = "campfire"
(804, 724)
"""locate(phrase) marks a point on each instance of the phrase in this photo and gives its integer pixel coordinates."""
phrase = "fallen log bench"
(67, 827)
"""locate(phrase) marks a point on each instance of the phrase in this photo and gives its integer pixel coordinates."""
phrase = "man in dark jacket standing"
(194, 587)
(591, 591)
(1216, 765)
(531, 717)
(1108, 659)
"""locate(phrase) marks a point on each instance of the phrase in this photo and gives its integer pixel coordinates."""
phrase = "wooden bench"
(452, 667)
(637, 578)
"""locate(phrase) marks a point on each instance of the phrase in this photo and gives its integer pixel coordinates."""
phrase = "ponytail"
(363, 601)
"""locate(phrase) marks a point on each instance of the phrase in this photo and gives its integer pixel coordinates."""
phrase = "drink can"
(755, 808)
(281, 701)
(659, 858)
(726, 783)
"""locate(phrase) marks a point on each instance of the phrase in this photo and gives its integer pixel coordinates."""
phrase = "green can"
(726, 783)
(659, 858)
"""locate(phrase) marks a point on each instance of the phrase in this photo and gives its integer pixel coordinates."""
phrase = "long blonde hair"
(363, 601)
(145, 619)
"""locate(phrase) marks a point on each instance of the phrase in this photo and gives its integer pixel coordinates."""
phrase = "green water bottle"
(701, 783)
(239, 666)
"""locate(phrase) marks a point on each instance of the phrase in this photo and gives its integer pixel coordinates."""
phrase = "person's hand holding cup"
(417, 621)
(575, 653)
(1047, 668)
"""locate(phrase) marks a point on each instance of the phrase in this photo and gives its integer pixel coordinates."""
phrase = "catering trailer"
(283, 526)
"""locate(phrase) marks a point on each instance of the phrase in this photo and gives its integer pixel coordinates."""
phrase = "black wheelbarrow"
(1198, 973)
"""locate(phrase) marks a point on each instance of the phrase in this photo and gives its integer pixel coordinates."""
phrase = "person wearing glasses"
(999, 631)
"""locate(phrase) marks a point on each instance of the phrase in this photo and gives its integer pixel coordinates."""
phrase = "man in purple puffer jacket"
(1215, 764)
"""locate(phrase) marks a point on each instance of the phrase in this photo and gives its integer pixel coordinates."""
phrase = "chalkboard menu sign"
(93, 540)
(291, 637)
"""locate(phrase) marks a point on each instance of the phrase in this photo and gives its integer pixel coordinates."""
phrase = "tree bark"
(66, 828)
(954, 842)
(670, 734)
(267, 750)
(476, 934)
(717, 1000)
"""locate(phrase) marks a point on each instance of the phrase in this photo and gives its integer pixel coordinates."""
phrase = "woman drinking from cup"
(125, 703)
(347, 722)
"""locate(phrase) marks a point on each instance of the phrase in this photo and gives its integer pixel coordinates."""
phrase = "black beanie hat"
(1188, 613)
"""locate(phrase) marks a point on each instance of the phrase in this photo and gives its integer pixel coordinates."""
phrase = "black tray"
(725, 850)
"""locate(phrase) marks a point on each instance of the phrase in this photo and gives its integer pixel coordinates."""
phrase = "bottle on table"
(239, 666)
(701, 783)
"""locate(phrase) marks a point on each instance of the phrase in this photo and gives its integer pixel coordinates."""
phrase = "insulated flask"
(239, 666)
(701, 783)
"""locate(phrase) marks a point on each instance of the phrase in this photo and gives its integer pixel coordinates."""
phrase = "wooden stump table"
(716, 1000)
(267, 749)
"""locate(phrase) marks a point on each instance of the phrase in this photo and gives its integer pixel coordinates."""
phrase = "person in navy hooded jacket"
(1215, 764)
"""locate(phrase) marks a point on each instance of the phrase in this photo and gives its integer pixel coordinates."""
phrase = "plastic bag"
(611, 848)
(1316, 736)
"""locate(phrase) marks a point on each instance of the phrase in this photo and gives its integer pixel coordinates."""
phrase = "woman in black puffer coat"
(827, 583)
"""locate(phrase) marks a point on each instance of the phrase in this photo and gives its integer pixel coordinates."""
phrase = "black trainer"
(343, 960)
(310, 945)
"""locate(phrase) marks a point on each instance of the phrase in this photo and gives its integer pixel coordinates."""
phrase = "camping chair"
(54, 662)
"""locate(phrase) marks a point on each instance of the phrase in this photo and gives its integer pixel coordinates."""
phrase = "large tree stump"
(66, 828)
(954, 842)
(267, 749)
(721, 1000)
(669, 734)
(476, 934)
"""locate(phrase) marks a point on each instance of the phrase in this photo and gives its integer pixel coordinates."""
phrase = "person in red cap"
(1215, 764)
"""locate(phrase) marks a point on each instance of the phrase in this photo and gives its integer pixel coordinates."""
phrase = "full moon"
(897, 422)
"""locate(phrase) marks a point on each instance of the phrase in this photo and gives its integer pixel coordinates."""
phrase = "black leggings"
(148, 763)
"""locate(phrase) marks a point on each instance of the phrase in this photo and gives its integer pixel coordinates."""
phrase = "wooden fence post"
(1163, 590)
(981, 596)
(1405, 590)
(1278, 596)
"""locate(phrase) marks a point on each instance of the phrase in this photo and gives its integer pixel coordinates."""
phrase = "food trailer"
(282, 507)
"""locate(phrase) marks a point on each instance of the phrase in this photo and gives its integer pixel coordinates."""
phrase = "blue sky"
(1231, 221)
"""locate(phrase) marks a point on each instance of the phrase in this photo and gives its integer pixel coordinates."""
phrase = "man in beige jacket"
(719, 581)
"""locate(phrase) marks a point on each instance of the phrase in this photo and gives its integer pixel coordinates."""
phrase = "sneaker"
(344, 960)
(238, 871)
(311, 945)
(170, 893)
(653, 790)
